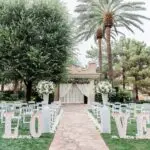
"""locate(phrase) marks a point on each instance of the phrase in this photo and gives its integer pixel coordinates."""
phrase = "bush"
(7, 93)
(51, 98)
(38, 98)
(14, 97)
(8, 96)
(142, 102)
(122, 96)
(1, 96)
(21, 94)
(98, 97)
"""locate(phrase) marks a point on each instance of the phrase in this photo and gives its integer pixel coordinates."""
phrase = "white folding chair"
(16, 119)
(116, 108)
(2, 112)
(26, 114)
(124, 108)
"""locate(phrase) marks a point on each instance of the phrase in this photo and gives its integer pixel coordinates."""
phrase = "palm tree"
(99, 36)
(110, 14)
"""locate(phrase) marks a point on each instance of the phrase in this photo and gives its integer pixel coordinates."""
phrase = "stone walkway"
(76, 131)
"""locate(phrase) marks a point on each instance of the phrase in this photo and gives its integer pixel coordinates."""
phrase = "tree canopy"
(132, 60)
(131, 63)
(35, 39)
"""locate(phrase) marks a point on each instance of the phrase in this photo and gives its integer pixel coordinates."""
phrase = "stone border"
(96, 123)
(56, 123)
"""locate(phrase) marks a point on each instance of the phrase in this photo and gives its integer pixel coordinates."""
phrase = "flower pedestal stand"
(105, 98)
(105, 116)
(46, 98)
(46, 114)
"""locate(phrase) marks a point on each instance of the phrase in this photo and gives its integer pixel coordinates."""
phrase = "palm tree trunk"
(109, 53)
(100, 55)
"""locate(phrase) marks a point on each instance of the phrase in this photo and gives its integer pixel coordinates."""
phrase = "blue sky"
(84, 46)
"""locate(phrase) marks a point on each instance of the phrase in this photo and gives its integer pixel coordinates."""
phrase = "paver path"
(76, 131)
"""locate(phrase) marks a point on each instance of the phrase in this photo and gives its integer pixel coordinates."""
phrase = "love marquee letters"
(142, 131)
(142, 119)
(32, 125)
(8, 129)
(121, 123)
(8, 126)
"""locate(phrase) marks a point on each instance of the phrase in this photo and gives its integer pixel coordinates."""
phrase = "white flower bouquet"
(45, 87)
(104, 87)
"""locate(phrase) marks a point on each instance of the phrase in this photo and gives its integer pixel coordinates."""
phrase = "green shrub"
(8, 96)
(21, 94)
(38, 98)
(7, 93)
(14, 97)
(122, 96)
(1, 96)
(51, 98)
(142, 102)
(98, 97)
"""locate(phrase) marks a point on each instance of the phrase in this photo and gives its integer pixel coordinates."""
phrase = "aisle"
(76, 131)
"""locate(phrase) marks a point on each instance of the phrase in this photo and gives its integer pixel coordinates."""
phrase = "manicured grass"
(125, 144)
(41, 143)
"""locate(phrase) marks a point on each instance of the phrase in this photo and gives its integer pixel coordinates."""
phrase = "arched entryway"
(74, 96)
(76, 93)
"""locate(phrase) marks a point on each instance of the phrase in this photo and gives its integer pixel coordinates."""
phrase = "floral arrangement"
(104, 87)
(45, 87)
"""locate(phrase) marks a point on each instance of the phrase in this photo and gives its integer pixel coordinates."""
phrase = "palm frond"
(124, 15)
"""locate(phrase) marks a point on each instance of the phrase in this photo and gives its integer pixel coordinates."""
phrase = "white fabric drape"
(91, 92)
(74, 96)
(64, 89)
(84, 88)
(69, 93)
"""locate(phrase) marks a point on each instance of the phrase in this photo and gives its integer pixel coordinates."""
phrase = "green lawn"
(41, 143)
(123, 144)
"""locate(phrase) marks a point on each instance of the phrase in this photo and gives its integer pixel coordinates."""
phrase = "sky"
(84, 46)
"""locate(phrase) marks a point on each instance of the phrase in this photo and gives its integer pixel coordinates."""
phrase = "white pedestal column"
(46, 98)
(105, 119)
(46, 116)
(105, 98)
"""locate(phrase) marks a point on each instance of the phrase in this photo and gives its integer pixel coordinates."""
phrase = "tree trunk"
(100, 56)
(109, 53)
(28, 90)
(20, 85)
(123, 78)
(2, 87)
(136, 93)
(136, 90)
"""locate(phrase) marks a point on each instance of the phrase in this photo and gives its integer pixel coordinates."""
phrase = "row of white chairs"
(132, 109)
(23, 112)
